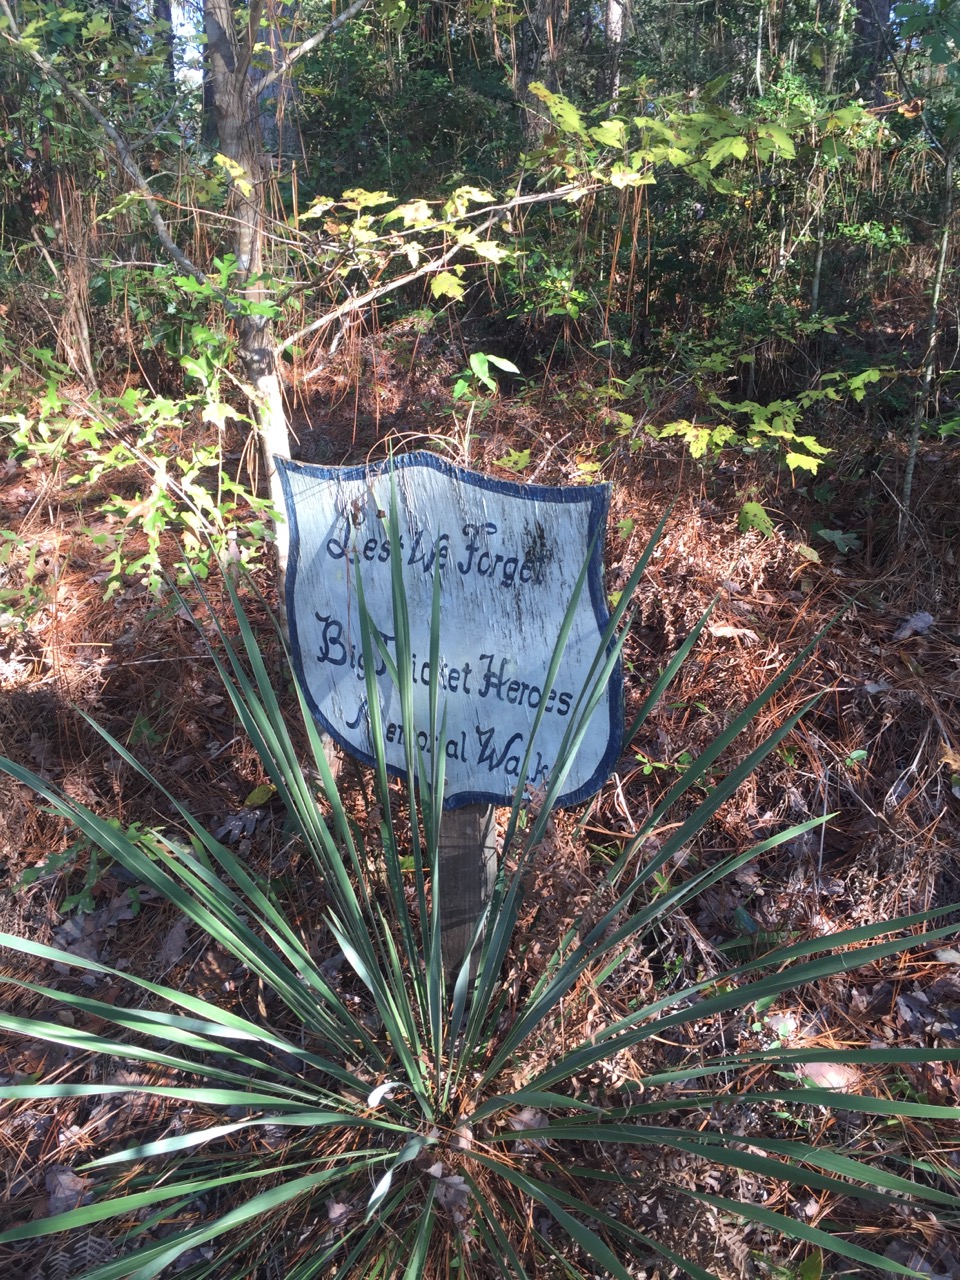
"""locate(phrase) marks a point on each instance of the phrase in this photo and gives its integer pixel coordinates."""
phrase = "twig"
(311, 43)
(488, 212)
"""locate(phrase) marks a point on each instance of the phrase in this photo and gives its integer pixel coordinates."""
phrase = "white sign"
(508, 557)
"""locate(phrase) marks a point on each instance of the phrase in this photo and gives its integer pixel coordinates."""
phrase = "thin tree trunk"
(237, 108)
(208, 116)
(164, 35)
(818, 263)
(615, 43)
(537, 47)
(927, 368)
(279, 133)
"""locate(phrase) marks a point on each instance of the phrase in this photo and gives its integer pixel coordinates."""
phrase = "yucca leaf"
(222, 1022)
(793, 1229)
(552, 1198)
(642, 1024)
(197, 1137)
(726, 1150)
(660, 685)
(805, 1095)
(630, 1234)
(411, 1149)
(150, 1260)
(131, 1202)
(777, 958)
(592, 1244)
(417, 1260)
(208, 909)
(702, 763)
(486, 1219)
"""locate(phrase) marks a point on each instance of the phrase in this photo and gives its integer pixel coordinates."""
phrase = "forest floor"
(879, 751)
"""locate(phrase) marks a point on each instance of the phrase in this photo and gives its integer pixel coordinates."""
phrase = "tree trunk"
(537, 48)
(164, 36)
(869, 51)
(927, 367)
(616, 10)
(277, 120)
(237, 108)
(208, 116)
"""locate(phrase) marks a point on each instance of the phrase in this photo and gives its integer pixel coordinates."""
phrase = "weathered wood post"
(468, 866)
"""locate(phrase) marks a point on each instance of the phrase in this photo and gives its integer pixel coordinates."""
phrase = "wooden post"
(468, 865)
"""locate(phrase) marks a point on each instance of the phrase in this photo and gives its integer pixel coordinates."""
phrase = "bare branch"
(364, 299)
(489, 212)
(296, 54)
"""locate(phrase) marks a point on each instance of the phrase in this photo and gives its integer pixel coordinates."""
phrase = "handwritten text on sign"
(508, 557)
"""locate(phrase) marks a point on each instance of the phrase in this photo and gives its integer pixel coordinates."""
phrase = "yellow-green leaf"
(446, 285)
(563, 112)
(622, 177)
(609, 133)
(802, 462)
(416, 213)
(735, 147)
(780, 139)
(238, 174)
(318, 208)
(491, 250)
(217, 413)
(753, 516)
(358, 198)
(260, 795)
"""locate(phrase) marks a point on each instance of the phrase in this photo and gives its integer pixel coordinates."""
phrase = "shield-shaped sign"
(508, 558)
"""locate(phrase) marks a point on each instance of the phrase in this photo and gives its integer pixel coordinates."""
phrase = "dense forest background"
(732, 224)
(703, 250)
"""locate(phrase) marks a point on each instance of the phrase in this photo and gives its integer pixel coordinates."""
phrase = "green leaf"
(563, 112)
(446, 285)
(260, 795)
(753, 516)
(217, 412)
(610, 133)
(734, 147)
(515, 460)
(802, 462)
(500, 363)
(811, 1267)
(780, 138)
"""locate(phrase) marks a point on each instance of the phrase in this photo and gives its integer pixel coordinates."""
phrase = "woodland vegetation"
(706, 251)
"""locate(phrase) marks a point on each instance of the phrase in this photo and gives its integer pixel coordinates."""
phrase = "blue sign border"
(597, 498)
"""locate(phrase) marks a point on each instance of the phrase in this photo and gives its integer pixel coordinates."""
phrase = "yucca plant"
(416, 1126)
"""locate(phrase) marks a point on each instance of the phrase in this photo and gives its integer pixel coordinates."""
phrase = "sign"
(508, 557)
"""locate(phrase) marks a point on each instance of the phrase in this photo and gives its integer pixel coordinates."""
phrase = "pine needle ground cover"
(712, 1033)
